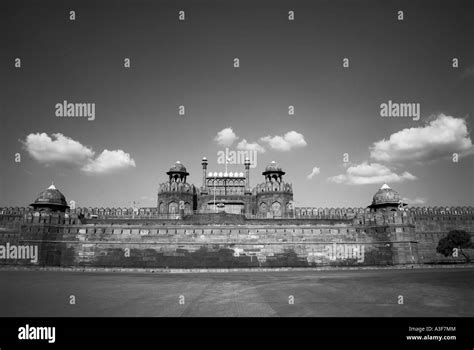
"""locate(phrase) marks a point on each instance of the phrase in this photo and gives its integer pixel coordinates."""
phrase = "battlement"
(420, 213)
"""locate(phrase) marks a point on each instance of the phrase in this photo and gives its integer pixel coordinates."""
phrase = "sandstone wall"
(214, 241)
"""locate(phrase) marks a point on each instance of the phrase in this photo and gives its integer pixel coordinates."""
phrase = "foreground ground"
(360, 293)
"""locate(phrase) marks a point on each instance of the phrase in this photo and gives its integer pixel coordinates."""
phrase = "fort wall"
(323, 239)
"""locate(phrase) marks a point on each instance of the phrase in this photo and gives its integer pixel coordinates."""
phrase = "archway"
(276, 209)
(173, 208)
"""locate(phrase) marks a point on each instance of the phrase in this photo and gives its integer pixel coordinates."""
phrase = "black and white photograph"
(235, 162)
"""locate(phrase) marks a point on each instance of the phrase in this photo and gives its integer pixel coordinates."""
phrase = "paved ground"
(430, 292)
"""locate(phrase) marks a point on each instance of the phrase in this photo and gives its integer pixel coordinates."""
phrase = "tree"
(456, 239)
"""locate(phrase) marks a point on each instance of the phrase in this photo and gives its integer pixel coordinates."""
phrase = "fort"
(226, 223)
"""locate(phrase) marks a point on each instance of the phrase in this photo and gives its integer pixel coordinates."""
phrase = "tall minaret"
(204, 172)
(247, 173)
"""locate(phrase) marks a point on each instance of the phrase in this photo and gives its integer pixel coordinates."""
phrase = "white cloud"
(440, 138)
(225, 137)
(415, 201)
(291, 139)
(253, 146)
(314, 172)
(56, 149)
(109, 161)
(60, 149)
(367, 174)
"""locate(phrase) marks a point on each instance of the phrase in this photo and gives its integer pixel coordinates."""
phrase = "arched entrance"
(173, 208)
(276, 209)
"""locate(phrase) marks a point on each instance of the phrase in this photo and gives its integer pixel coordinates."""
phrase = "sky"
(336, 149)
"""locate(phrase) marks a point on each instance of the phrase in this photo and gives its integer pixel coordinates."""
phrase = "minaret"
(247, 173)
(204, 172)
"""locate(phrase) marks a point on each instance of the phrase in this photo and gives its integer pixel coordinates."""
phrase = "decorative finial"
(385, 187)
(52, 186)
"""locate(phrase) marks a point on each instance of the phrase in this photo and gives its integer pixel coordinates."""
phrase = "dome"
(178, 168)
(51, 197)
(273, 167)
(385, 195)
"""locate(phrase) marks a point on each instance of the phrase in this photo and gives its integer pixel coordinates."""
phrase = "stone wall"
(232, 240)
(207, 246)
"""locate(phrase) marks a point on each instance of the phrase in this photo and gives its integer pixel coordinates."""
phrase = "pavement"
(434, 292)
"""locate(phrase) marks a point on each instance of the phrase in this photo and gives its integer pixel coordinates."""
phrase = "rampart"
(312, 237)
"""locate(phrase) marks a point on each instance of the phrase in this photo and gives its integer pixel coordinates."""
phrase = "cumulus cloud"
(367, 174)
(250, 146)
(314, 172)
(109, 161)
(225, 137)
(60, 149)
(56, 148)
(291, 139)
(440, 138)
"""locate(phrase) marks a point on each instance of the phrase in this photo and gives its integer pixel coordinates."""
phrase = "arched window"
(173, 208)
(187, 208)
(276, 209)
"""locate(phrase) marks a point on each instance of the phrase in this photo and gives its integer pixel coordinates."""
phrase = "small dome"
(385, 195)
(178, 168)
(273, 166)
(215, 174)
(210, 174)
(231, 174)
(220, 174)
(226, 174)
(241, 174)
(50, 197)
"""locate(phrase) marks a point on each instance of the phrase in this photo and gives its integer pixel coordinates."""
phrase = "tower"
(204, 171)
(274, 196)
(247, 173)
(176, 194)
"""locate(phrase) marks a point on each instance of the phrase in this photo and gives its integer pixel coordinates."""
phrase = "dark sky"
(282, 63)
